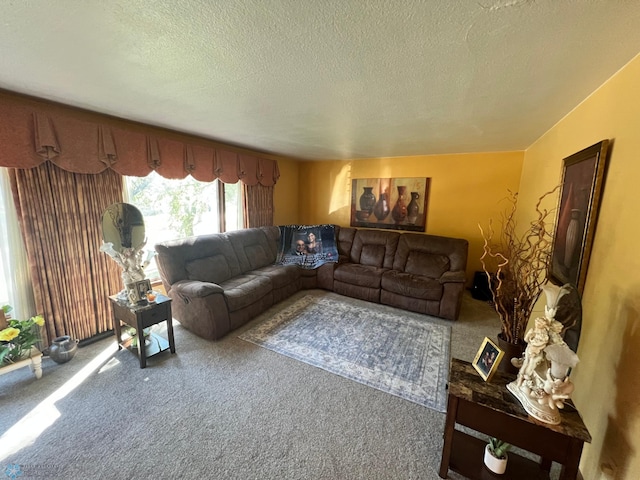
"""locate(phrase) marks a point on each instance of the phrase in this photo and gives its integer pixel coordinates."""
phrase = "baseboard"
(95, 338)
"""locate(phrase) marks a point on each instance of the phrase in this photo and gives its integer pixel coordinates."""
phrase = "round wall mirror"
(123, 226)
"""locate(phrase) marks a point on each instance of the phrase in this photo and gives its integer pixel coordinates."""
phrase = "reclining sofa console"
(219, 282)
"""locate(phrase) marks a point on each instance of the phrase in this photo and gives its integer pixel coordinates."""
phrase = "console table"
(141, 317)
(491, 409)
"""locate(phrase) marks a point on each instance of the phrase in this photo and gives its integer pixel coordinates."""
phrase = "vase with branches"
(520, 259)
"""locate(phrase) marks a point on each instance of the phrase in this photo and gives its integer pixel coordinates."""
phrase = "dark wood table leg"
(570, 468)
(545, 464)
(117, 329)
(172, 342)
(142, 351)
(450, 422)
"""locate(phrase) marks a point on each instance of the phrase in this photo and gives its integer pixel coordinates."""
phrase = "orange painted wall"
(607, 379)
(285, 193)
(466, 189)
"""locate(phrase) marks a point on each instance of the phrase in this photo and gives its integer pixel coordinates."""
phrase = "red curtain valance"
(34, 131)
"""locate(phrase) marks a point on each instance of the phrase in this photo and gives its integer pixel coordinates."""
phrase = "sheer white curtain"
(15, 282)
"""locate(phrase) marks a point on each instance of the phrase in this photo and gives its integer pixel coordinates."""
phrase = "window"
(183, 208)
(4, 252)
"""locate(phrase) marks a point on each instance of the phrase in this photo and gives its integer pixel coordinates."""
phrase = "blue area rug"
(401, 353)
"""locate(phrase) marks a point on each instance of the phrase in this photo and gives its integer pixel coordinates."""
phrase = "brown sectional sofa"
(219, 282)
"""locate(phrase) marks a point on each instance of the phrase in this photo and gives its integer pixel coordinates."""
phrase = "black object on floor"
(480, 289)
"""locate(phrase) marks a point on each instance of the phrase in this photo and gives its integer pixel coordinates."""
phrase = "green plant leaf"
(498, 448)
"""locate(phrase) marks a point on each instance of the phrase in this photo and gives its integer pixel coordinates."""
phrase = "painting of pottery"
(391, 203)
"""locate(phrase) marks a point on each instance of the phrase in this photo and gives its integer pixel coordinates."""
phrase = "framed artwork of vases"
(582, 182)
(391, 203)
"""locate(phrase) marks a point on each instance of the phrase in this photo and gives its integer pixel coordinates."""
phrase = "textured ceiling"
(323, 79)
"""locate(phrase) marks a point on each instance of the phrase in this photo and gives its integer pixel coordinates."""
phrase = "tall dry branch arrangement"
(522, 262)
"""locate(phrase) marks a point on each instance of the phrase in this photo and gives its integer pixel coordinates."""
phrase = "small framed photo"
(487, 359)
(143, 286)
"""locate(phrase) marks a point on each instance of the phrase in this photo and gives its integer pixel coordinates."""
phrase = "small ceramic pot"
(62, 349)
(496, 465)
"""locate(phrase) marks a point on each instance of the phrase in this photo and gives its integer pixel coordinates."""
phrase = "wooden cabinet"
(491, 409)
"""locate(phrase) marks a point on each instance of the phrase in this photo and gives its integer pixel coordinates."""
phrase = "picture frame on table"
(142, 287)
(582, 183)
(487, 359)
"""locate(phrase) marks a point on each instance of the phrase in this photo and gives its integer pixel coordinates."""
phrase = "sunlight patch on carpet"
(401, 353)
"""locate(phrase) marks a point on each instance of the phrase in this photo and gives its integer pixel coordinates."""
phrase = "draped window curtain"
(35, 132)
(66, 167)
(257, 206)
(60, 215)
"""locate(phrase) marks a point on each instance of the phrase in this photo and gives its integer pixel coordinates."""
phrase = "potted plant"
(520, 261)
(18, 338)
(495, 455)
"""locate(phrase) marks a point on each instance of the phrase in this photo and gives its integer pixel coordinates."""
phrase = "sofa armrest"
(453, 277)
(200, 307)
(195, 288)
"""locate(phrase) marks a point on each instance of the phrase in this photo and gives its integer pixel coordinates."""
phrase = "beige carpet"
(226, 409)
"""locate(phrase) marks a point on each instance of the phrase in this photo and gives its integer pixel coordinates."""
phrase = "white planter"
(496, 465)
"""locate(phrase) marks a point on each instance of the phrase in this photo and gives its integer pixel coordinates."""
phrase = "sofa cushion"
(357, 274)
(280, 275)
(356, 291)
(273, 237)
(213, 269)
(427, 307)
(344, 237)
(243, 290)
(411, 285)
(373, 248)
(173, 255)
(372, 255)
(258, 256)
(430, 255)
(252, 248)
(428, 264)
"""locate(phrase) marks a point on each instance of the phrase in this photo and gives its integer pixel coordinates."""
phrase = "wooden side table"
(141, 317)
(491, 409)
